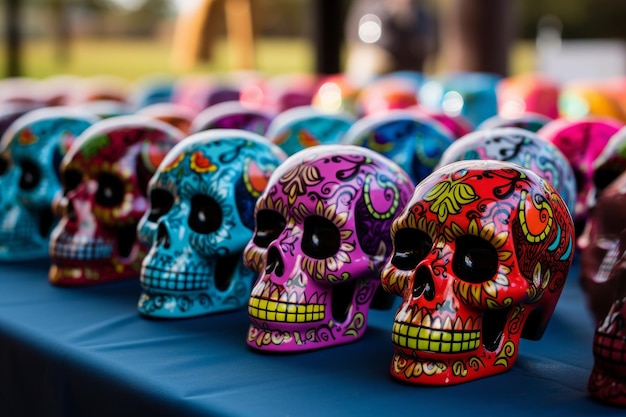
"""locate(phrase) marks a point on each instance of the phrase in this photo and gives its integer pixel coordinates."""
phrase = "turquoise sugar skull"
(200, 217)
(30, 154)
(412, 141)
(305, 126)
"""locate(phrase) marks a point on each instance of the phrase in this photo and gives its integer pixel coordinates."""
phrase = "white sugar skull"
(201, 216)
(480, 257)
(30, 154)
(321, 238)
(105, 177)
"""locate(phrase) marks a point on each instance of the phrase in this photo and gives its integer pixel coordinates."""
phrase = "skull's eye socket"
(161, 201)
(5, 163)
(110, 191)
(475, 259)
(31, 175)
(321, 238)
(411, 246)
(269, 225)
(71, 179)
(206, 214)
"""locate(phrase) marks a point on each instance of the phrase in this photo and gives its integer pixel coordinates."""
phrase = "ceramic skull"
(30, 154)
(480, 256)
(321, 237)
(304, 126)
(522, 147)
(581, 141)
(603, 268)
(607, 381)
(414, 142)
(105, 175)
(201, 216)
(600, 246)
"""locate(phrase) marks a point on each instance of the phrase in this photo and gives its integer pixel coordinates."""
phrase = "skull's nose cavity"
(163, 237)
(274, 263)
(423, 284)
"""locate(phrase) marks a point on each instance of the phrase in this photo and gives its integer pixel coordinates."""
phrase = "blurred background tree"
(69, 24)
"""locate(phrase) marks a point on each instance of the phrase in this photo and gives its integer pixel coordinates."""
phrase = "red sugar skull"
(480, 256)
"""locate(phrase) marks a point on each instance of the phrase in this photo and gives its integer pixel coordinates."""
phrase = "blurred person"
(387, 36)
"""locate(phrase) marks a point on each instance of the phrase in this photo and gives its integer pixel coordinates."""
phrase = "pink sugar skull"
(581, 141)
(105, 176)
(321, 237)
(480, 256)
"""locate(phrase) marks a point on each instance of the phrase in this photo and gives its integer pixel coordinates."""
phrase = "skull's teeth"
(272, 310)
(425, 339)
(423, 333)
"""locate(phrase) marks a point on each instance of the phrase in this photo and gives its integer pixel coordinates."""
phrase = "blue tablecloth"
(87, 352)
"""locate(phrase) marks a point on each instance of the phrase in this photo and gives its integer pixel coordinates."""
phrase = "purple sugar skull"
(522, 147)
(321, 239)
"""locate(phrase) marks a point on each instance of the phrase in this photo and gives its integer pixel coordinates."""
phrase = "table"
(87, 352)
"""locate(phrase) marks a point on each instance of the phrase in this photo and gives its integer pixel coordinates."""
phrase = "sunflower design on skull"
(321, 237)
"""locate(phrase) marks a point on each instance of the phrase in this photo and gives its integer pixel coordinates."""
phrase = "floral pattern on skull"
(201, 216)
(321, 238)
(105, 176)
(480, 257)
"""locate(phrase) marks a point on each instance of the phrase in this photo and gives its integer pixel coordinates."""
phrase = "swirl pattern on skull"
(321, 238)
(481, 254)
(200, 218)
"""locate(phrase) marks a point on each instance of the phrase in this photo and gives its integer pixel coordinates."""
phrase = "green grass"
(132, 59)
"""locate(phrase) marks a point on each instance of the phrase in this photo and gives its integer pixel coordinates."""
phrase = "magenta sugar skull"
(581, 141)
(480, 256)
(201, 217)
(105, 175)
(321, 237)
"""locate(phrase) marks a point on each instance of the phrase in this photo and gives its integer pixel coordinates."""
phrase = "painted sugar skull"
(321, 237)
(522, 147)
(414, 142)
(607, 381)
(201, 217)
(599, 246)
(306, 126)
(609, 164)
(480, 257)
(30, 154)
(581, 141)
(232, 115)
(105, 175)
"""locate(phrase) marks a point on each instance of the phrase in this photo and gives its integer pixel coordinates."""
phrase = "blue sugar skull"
(306, 126)
(30, 154)
(414, 142)
(200, 218)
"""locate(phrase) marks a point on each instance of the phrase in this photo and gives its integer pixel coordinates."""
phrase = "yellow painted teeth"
(270, 310)
(434, 340)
